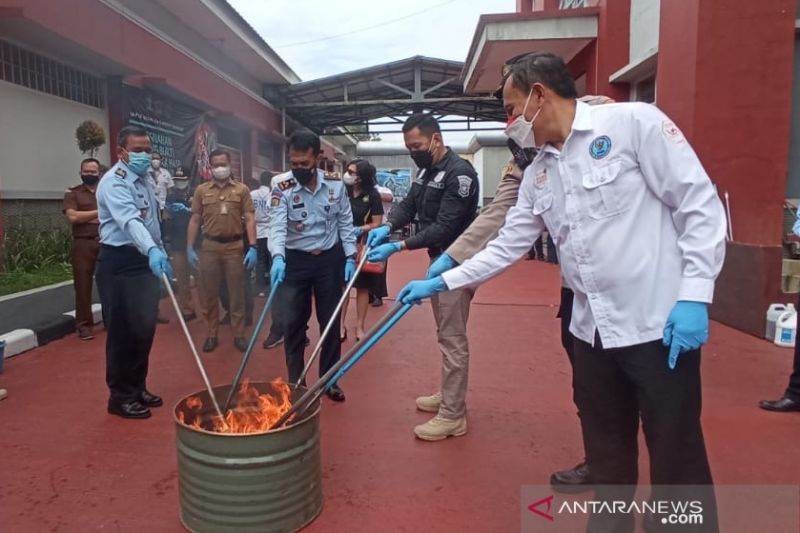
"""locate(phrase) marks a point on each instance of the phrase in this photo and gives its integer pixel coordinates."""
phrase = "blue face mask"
(138, 162)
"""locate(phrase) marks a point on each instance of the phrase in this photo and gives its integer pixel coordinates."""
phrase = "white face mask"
(221, 173)
(349, 179)
(156, 163)
(520, 130)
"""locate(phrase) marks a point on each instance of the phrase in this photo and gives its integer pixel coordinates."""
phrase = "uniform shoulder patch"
(288, 183)
(121, 172)
(672, 132)
(464, 186)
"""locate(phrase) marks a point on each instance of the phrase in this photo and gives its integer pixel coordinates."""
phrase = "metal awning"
(355, 102)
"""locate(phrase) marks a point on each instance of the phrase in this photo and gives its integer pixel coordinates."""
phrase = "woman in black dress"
(367, 208)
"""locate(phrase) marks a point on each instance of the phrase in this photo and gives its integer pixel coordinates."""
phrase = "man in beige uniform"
(80, 207)
(220, 205)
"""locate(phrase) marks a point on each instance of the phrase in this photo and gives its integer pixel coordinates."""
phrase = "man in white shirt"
(161, 180)
(640, 234)
(261, 201)
(261, 204)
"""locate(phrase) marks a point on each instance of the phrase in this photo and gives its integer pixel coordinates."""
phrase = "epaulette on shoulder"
(120, 172)
(287, 183)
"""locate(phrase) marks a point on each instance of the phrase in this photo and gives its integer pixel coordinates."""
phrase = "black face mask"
(90, 179)
(303, 175)
(522, 156)
(422, 158)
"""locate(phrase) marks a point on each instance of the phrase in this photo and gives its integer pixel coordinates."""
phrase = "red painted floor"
(65, 465)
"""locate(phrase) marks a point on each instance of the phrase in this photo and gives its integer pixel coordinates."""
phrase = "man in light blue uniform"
(130, 263)
(313, 246)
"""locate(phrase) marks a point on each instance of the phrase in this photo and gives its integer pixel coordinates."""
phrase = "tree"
(90, 137)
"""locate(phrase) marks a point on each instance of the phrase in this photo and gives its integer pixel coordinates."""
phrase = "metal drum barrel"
(255, 482)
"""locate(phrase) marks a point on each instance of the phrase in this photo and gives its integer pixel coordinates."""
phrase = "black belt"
(312, 252)
(224, 240)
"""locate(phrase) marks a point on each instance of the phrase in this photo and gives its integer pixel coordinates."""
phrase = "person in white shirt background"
(640, 234)
(161, 180)
(261, 204)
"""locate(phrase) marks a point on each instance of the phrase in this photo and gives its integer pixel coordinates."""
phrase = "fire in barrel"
(239, 475)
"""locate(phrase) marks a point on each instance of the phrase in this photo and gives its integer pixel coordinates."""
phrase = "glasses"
(505, 72)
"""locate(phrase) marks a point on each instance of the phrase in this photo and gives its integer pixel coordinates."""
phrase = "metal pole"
(329, 325)
(730, 222)
(253, 339)
(197, 359)
(355, 358)
(357, 351)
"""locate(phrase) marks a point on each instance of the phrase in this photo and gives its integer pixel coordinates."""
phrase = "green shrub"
(30, 250)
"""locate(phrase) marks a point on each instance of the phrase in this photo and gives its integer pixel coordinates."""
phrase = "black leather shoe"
(784, 405)
(131, 409)
(149, 399)
(211, 344)
(572, 481)
(240, 343)
(336, 393)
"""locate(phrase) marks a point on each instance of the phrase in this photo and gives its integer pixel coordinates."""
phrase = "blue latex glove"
(177, 207)
(442, 264)
(382, 252)
(191, 255)
(377, 236)
(250, 258)
(415, 291)
(686, 329)
(159, 262)
(358, 231)
(796, 227)
(349, 269)
(277, 273)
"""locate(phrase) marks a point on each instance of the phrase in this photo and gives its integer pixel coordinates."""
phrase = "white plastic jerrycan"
(774, 311)
(786, 327)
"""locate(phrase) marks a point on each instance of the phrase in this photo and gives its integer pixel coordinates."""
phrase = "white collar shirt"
(261, 205)
(636, 219)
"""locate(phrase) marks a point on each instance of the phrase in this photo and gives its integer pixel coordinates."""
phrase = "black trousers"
(277, 326)
(129, 294)
(263, 265)
(613, 389)
(323, 277)
(793, 391)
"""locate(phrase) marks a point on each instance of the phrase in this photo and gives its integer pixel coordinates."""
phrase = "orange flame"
(253, 412)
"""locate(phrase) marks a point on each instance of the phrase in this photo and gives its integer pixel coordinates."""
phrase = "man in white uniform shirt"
(261, 205)
(640, 234)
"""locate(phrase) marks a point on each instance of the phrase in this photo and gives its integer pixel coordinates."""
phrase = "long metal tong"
(352, 356)
(329, 325)
(253, 338)
(197, 359)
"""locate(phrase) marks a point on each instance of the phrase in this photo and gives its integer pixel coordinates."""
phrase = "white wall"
(645, 16)
(39, 156)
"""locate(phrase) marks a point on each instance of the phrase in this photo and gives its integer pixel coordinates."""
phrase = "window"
(574, 4)
(42, 74)
(644, 90)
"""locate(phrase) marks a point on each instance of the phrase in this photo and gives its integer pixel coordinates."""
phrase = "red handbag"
(370, 267)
